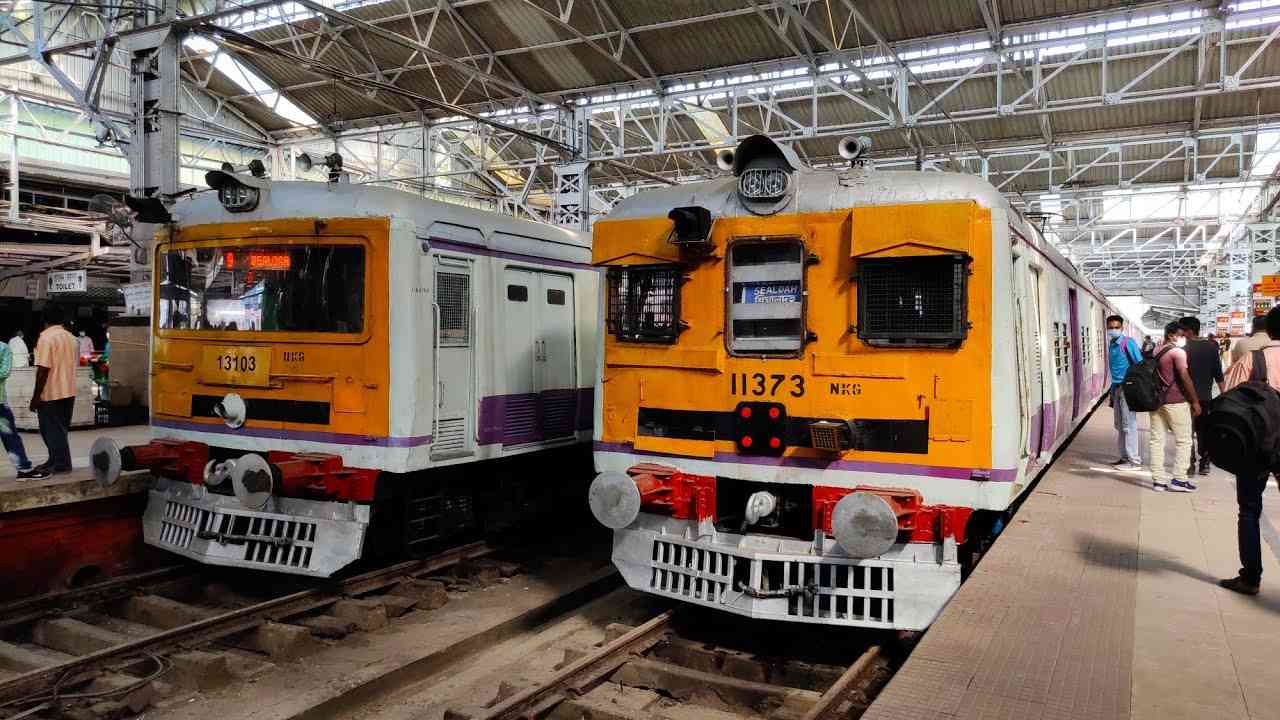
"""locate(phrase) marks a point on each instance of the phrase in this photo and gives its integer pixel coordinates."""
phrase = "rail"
(235, 621)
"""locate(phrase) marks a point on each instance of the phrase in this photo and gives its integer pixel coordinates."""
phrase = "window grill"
(453, 295)
(644, 303)
(913, 301)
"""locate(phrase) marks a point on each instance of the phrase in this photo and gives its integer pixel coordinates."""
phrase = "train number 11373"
(760, 384)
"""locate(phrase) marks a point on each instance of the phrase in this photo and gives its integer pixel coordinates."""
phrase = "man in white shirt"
(18, 348)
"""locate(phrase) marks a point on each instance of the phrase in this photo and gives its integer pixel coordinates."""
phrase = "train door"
(541, 400)
(557, 367)
(520, 402)
(1077, 371)
(454, 360)
(1038, 351)
(1025, 358)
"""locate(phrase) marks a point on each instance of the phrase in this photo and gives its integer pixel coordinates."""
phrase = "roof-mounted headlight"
(237, 193)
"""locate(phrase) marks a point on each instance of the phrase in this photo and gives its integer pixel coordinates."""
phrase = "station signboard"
(68, 281)
(1268, 287)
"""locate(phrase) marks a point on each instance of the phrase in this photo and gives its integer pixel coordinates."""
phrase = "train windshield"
(265, 288)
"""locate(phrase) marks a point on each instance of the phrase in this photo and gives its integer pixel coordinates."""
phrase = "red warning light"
(745, 412)
(775, 443)
(774, 413)
(745, 441)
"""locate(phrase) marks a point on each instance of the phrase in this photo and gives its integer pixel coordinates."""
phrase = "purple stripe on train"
(530, 417)
(935, 471)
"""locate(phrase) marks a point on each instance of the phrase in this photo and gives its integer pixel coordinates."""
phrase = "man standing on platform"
(18, 348)
(9, 436)
(1258, 339)
(1181, 405)
(1250, 484)
(1122, 352)
(54, 396)
(1205, 368)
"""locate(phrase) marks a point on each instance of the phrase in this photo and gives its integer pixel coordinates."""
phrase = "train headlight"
(864, 524)
(252, 481)
(614, 499)
(237, 193)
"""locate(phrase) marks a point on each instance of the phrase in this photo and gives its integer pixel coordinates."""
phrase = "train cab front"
(792, 399)
(269, 382)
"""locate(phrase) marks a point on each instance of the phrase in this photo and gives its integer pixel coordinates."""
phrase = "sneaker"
(1240, 585)
(1181, 486)
(33, 474)
(1121, 461)
(1159, 487)
(1137, 465)
(1204, 466)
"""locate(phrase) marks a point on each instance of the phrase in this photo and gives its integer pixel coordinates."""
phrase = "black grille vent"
(913, 301)
(644, 303)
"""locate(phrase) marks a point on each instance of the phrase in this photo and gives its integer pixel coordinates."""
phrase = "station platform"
(67, 530)
(1100, 601)
(76, 486)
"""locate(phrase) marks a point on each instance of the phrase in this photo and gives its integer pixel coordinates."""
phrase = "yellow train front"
(816, 395)
(342, 372)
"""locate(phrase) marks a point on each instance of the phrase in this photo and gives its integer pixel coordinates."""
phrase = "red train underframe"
(312, 476)
(666, 490)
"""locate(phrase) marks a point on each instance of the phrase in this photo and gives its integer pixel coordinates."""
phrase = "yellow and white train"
(821, 391)
(339, 370)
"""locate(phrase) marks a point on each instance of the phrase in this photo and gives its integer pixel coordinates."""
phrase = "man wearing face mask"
(1122, 352)
(1181, 406)
(1204, 364)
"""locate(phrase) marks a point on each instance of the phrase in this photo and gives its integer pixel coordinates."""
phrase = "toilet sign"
(68, 281)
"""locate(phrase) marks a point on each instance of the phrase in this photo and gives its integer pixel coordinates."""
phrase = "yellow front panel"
(346, 371)
(836, 375)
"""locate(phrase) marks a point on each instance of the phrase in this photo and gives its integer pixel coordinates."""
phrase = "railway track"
(658, 670)
(107, 643)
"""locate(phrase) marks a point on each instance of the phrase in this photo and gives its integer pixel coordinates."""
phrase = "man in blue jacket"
(1123, 352)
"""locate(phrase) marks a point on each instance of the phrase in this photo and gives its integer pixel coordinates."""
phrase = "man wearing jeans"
(54, 397)
(8, 427)
(1181, 405)
(1250, 484)
(1123, 352)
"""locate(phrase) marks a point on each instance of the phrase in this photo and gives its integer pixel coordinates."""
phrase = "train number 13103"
(237, 363)
(759, 384)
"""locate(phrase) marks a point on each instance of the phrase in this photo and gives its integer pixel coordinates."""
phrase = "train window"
(555, 297)
(453, 296)
(766, 284)
(517, 293)
(644, 303)
(913, 300)
(263, 288)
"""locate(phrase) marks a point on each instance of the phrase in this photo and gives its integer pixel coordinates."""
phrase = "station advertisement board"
(1237, 323)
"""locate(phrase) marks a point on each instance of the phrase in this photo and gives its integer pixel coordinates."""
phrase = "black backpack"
(1242, 429)
(1143, 388)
